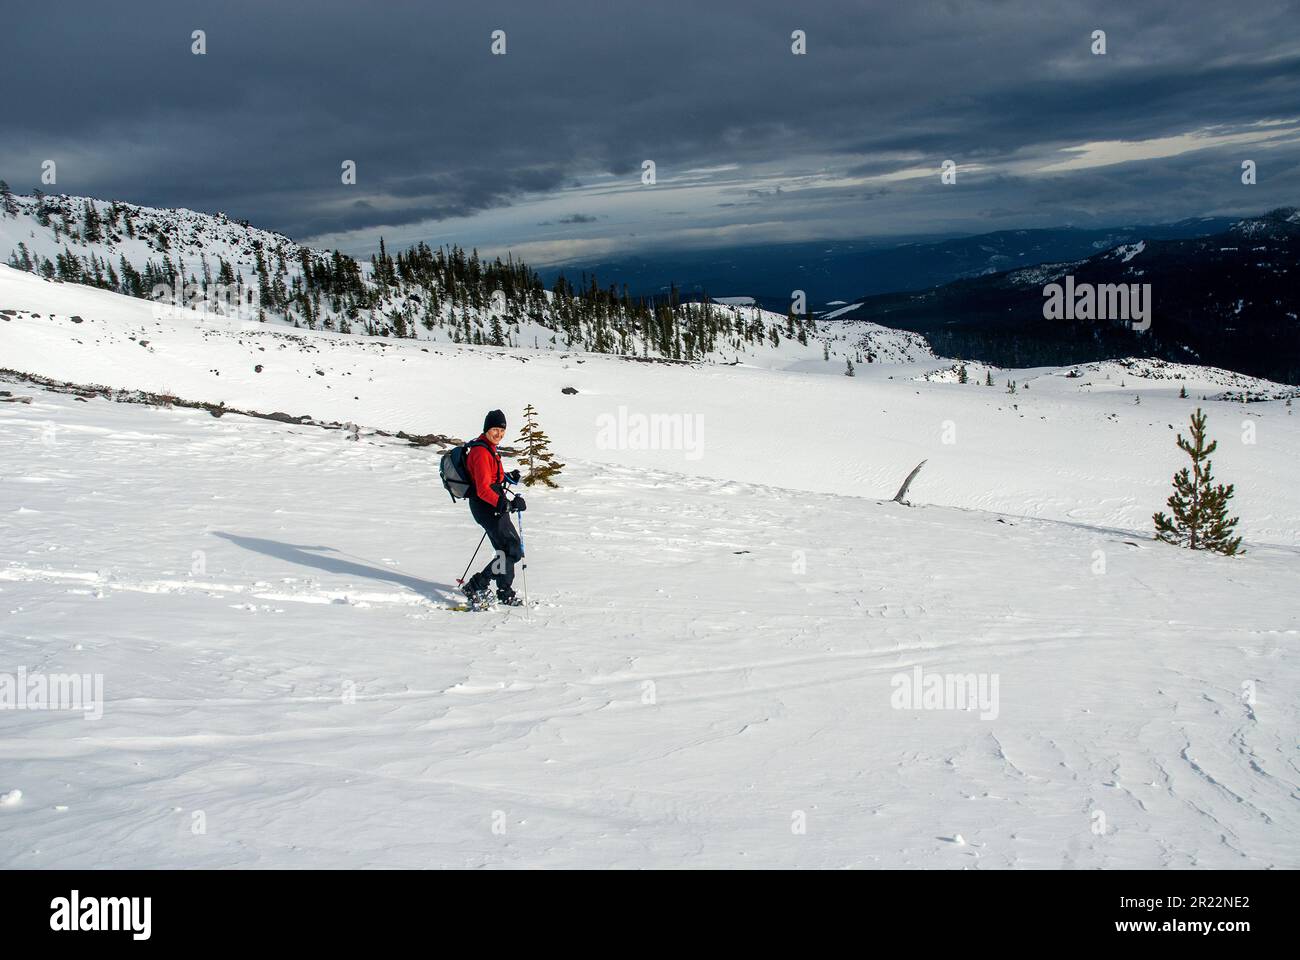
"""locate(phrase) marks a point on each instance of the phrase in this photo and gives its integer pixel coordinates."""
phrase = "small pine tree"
(988, 378)
(91, 224)
(1182, 392)
(962, 376)
(849, 372)
(8, 205)
(536, 457)
(1200, 507)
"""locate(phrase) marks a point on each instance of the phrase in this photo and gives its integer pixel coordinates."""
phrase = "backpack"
(454, 470)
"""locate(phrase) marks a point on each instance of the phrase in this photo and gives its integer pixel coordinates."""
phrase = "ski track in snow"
(306, 689)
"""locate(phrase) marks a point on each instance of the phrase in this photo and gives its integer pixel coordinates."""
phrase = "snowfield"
(718, 662)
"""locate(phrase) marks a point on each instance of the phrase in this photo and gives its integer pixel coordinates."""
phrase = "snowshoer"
(491, 509)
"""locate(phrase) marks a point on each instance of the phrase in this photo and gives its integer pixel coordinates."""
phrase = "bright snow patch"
(1128, 251)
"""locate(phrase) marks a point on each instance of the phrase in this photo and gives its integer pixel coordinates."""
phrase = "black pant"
(505, 541)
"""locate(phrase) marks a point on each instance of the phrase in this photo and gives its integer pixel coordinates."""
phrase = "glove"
(513, 476)
(517, 505)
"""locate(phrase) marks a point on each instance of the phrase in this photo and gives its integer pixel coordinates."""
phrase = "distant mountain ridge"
(1229, 300)
(838, 270)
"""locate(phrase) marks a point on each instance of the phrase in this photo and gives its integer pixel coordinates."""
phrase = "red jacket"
(484, 465)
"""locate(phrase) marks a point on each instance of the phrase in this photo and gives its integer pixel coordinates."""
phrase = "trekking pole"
(524, 562)
(460, 581)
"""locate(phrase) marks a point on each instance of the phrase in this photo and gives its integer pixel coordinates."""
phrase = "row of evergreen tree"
(472, 299)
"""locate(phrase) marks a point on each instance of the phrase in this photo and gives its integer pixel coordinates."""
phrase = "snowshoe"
(477, 595)
(508, 598)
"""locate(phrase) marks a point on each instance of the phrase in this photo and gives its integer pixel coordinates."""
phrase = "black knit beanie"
(495, 418)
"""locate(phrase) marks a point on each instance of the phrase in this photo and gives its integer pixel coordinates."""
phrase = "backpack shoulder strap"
(479, 443)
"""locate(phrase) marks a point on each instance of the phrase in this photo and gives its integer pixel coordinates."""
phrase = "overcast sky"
(540, 150)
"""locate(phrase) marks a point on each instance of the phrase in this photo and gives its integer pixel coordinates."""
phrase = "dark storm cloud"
(570, 219)
(441, 129)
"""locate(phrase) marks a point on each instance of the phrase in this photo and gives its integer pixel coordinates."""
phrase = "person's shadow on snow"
(317, 557)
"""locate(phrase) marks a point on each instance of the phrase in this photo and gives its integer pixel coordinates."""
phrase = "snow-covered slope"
(238, 271)
(711, 669)
(191, 237)
(1061, 447)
